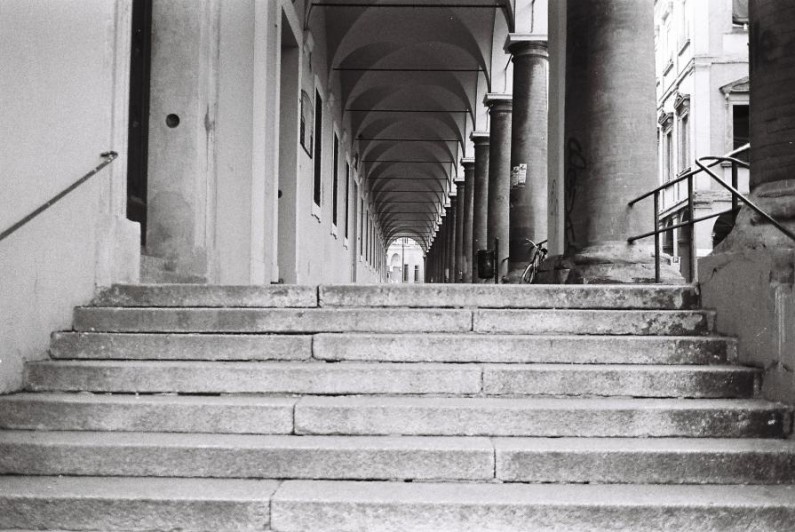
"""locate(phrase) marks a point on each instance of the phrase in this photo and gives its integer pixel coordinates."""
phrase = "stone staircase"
(430, 407)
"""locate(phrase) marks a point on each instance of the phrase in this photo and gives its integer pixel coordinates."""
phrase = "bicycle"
(537, 255)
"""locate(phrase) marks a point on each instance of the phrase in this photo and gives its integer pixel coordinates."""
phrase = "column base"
(609, 263)
(751, 231)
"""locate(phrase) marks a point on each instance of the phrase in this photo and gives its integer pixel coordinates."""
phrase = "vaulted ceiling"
(412, 75)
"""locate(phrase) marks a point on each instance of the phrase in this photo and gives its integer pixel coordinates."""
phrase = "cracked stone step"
(151, 413)
(646, 460)
(254, 377)
(195, 295)
(238, 320)
(525, 348)
(312, 505)
(601, 322)
(245, 456)
(386, 378)
(543, 417)
(510, 296)
(143, 346)
(90, 503)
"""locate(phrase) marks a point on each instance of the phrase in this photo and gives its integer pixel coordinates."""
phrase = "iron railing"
(107, 158)
(704, 164)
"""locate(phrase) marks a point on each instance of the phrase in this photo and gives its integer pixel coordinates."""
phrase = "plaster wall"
(65, 103)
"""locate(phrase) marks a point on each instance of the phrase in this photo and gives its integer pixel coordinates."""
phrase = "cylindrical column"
(772, 114)
(446, 252)
(481, 198)
(528, 196)
(500, 110)
(460, 206)
(467, 252)
(451, 234)
(610, 152)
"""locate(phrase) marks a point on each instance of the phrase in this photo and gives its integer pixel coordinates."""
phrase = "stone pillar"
(610, 141)
(749, 276)
(500, 110)
(481, 198)
(445, 245)
(451, 234)
(460, 206)
(528, 196)
(467, 253)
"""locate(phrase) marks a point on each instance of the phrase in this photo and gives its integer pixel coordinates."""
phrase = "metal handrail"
(107, 158)
(735, 195)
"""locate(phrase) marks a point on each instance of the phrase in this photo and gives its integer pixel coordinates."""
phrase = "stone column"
(451, 234)
(481, 198)
(528, 196)
(749, 276)
(610, 152)
(460, 206)
(467, 252)
(500, 110)
(445, 245)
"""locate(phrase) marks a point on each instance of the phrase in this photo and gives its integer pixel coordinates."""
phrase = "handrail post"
(692, 244)
(656, 238)
(735, 185)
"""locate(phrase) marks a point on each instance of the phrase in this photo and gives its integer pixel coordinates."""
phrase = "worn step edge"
(176, 346)
(510, 296)
(543, 417)
(192, 295)
(134, 503)
(234, 456)
(389, 378)
(518, 348)
(311, 505)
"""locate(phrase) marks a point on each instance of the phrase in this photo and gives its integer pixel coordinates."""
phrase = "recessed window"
(318, 147)
(335, 173)
(741, 130)
(347, 195)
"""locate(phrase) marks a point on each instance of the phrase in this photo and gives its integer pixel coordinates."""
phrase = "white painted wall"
(64, 100)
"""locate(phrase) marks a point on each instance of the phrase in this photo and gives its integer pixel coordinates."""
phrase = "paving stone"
(270, 320)
(153, 413)
(193, 295)
(91, 503)
(524, 348)
(245, 456)
(614, 322)
(510, 296)
(143, 346)
(646, 460)
(547, 417)
(619, 380)
(388, 506)
(253, 377)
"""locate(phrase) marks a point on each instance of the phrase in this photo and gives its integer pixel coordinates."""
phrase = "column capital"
(527, 44)
(459, 180)
(468, 162)
(480, 137)
(498, 101)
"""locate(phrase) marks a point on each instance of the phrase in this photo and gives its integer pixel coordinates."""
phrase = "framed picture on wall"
(307, 117)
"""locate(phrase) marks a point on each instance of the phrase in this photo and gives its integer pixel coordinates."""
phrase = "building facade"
(702, 110)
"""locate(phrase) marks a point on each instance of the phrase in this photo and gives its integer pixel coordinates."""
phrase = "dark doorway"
(138, 133)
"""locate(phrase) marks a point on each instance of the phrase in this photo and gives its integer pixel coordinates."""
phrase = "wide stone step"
(544, 417)
(238, 320)
(236, 456)
(255, 377)
(152, 413)
(89, 503)
(384, 415)
(145, 346)
(322, 378)
(513, 348)
(510, 296)
(312, 505)
(196, 295)
(534, 460)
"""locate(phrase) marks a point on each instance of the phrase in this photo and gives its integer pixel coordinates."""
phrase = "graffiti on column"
(575, 164)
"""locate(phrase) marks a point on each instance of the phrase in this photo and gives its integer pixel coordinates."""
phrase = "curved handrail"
(107, 158)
